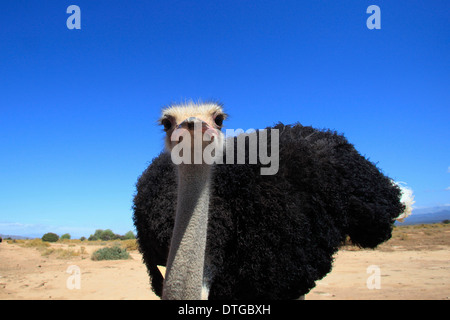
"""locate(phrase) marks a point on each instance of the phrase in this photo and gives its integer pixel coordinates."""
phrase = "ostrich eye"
(219, 120)
(167, 124)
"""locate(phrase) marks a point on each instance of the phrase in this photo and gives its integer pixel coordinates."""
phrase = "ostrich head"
(193, 127)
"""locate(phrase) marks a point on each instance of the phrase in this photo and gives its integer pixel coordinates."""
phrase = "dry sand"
(415, 264)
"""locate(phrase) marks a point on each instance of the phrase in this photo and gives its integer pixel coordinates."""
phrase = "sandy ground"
(25, 274)
(415, 264)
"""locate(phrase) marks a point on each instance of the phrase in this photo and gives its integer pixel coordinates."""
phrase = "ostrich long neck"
(184, 275)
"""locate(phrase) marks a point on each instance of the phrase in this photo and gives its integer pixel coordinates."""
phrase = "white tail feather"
(407, 199)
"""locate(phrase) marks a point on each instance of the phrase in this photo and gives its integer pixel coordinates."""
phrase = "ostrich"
(226, 231)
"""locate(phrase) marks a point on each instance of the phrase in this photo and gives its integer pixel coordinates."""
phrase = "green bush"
(65, 236)
(111, 253)
(129, 235)
(50, 237)
(104, 235)
(107, 235)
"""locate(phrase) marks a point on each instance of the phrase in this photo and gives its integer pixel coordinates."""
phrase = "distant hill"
(8, 236)
(427, 215)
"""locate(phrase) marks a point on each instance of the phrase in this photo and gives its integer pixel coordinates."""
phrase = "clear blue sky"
(78, 107)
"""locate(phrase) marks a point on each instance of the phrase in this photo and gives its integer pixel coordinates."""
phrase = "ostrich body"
(245, 235)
